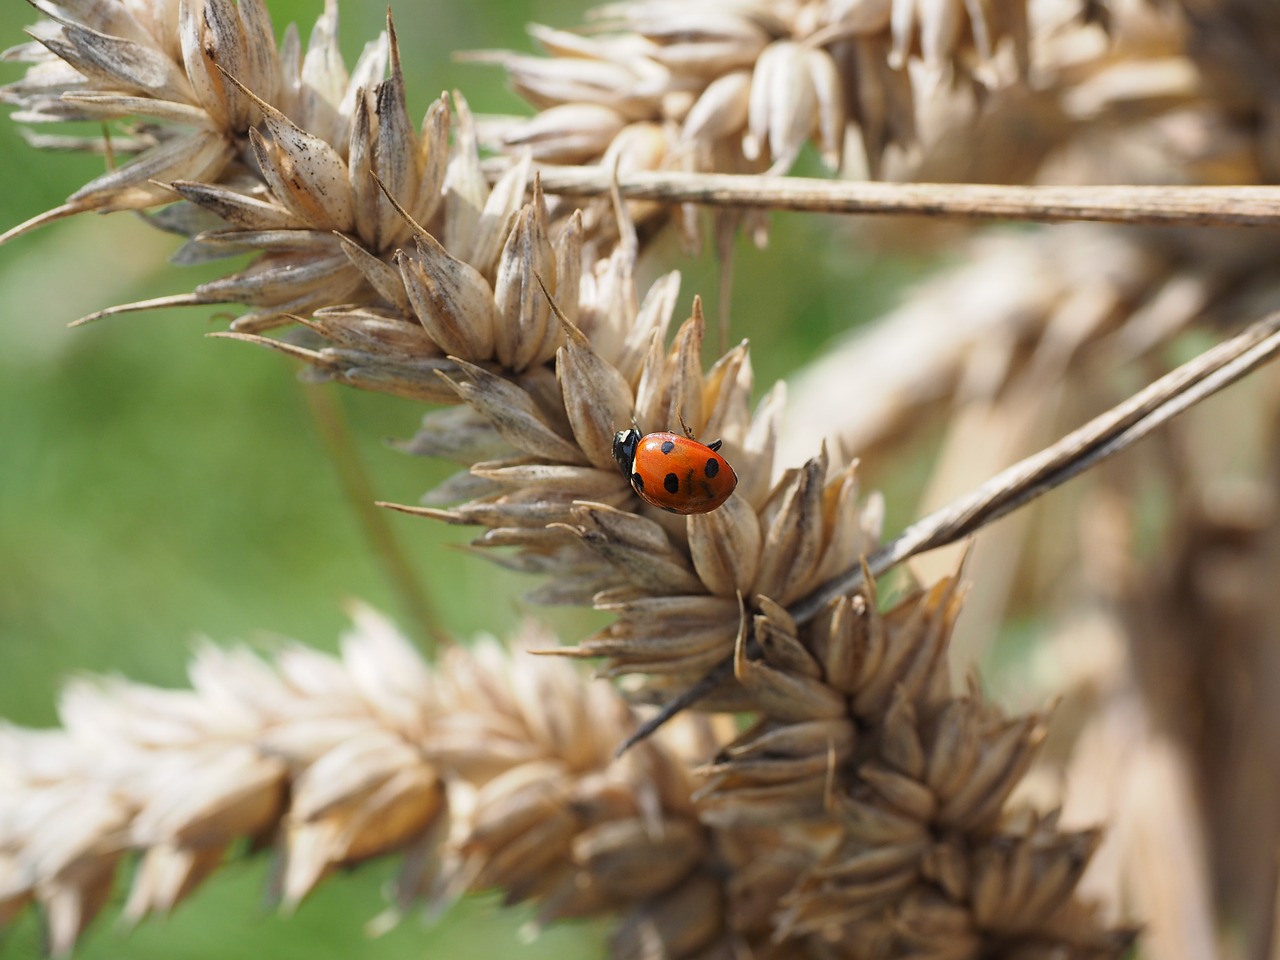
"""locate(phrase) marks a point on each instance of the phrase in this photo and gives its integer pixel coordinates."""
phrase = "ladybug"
(676, 473)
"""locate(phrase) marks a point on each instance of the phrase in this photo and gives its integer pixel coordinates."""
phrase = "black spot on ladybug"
(637, 481)
(712, 468)
(671, 483)
(667, 447)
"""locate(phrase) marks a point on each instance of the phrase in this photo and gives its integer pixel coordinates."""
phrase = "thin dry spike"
(555, 308)
(280, 346)
(108, 151)
(410, 509)
(177, 300)
(418, 229)
(258, 101)
(40, 219)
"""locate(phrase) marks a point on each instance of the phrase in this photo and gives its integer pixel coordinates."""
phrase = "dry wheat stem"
(340, 445)
(1186, 206)
(1105, 435)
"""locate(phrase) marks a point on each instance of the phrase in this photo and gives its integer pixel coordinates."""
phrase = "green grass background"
(156, 486)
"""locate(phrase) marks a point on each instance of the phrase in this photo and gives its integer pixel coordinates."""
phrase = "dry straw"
(866, 808)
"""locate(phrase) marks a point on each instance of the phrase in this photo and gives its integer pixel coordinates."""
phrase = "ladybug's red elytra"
(675, 473)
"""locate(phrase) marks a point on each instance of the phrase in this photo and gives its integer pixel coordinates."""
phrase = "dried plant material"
(495, 770)
(866, 808)
(744, 86)
(1204, 206)
(156, 61)
(900, 835)
(342, 760)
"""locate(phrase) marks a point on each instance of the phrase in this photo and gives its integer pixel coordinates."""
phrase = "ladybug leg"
(714, 445)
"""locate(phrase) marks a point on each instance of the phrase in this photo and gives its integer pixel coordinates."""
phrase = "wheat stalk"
(1131, 204)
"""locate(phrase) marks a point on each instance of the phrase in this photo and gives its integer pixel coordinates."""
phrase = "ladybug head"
(625, 443)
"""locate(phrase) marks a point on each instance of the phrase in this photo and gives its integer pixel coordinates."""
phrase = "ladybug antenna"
(680, 416)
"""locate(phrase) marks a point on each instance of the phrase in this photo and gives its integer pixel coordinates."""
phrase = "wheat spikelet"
(494, 770)
(159, 61)
(742, 86)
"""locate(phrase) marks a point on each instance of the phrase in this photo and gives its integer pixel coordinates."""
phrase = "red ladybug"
(676, 473)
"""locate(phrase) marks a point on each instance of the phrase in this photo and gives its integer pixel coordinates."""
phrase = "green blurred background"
(157, 486)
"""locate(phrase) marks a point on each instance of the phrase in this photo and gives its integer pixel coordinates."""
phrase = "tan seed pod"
(636, 546)
(632, 860)
(247, 210)
(513, 414)
(304, 172)
(240, 39)
(865, 865)
(793, 541)
(760, 805)
(1054, 881)
(775, 635)
(955, 749)
(725, 547)
(784, 696)
(121, 63)
(829, 95)
(755, 479)
(166, 874)
(451, 299)
(670, 387)
(783, 108)
(199, 155)
(720, 110)
(837, 643)
(912, 648)
(467, 195)
(792, 751)
(527, 857)
(649, 327)
(1004, 758)
(927, 670)
(877, 825)
(211, 800)
(676, 924)
(900, 738)
(597, 399)
(523, 310)
(947, 865)
(380, 275)
(569, 266)
(902, 792)
(433, 160)
(727, 396)
(647, 646)
(586, 483)
(567, 133)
